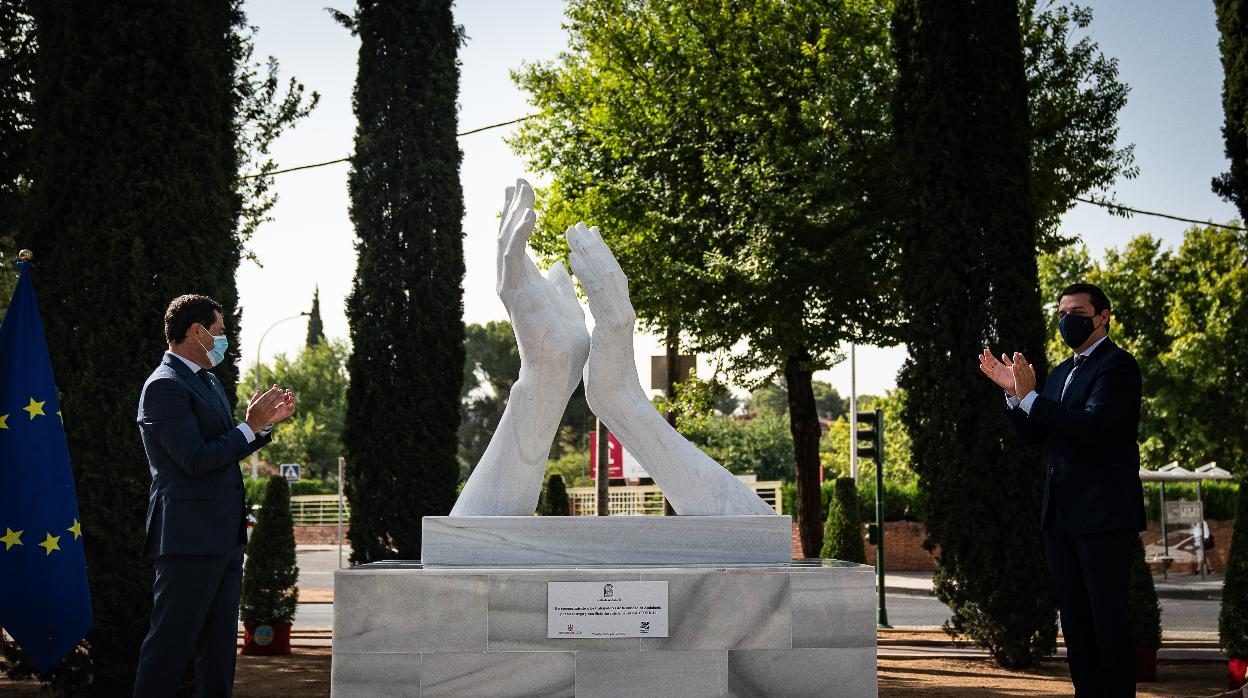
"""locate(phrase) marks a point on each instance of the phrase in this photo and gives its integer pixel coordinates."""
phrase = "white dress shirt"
(1028, 399)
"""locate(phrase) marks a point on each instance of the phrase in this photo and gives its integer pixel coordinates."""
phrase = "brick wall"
(903, 545)
(324, 534)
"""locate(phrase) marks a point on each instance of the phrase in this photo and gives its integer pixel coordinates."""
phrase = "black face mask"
(1075, 329)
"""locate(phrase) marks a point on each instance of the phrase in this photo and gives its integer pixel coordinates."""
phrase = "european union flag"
(44, 601)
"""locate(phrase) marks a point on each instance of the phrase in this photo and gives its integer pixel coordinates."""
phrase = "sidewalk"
(1184, 586)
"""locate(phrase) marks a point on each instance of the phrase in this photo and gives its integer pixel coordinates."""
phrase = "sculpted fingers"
(561, 282)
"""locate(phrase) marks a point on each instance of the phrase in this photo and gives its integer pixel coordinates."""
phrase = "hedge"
(255, 489)
(901, 502)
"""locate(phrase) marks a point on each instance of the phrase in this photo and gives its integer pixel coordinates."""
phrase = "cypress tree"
(554, 499)
(1233, 618)
(316, 331)
(133, 167)
(842, 538)
(269, 591)
(968, 280)
(406, 302)
(1145, 608)
(1233, 43)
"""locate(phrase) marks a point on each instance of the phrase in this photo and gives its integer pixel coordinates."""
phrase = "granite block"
(821, 672)
(605, 540)
(375, 675)
(629, 674)
(409, 612)
(720, 609)
(518, 611)
(833, 610)
(498, 674)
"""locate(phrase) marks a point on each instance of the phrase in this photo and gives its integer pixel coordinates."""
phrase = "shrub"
(1233, 619)
(554, 501)
(901, 502)
(255, 489)
(1145, 609)
(842, 537)
(269, 591)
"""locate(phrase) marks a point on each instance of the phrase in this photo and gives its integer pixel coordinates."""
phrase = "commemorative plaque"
(606, 609)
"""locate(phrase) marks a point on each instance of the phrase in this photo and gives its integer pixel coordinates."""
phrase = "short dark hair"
(187, 310)
(1100, 301)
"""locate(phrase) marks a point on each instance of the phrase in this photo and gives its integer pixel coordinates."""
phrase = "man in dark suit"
(1087, 417)
(196, 517)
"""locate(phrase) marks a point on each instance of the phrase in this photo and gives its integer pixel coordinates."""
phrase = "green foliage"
(773, 397)
(1233, 618)
(1184, 315)
(554, 499)
(835, 453)
(254, 489)
(406, 302)
(965, 166)
(902, 502)
(842, 536)
(572, 468)
(1074, 97)
(1144, 607)
(1233, 28)
(17, 47)
(313, 436)
(269, 577)
(761, 445)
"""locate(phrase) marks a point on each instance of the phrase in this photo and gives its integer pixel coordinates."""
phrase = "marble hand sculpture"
(550, 332)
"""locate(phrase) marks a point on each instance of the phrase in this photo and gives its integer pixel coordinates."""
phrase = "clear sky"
(1167, 53)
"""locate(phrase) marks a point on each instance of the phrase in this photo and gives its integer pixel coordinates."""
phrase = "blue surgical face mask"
(217, 353)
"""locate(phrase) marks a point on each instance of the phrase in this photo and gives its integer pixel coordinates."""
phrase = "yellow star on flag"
(4, 419)
(52, 543)
(11, 538)
(76, 529)
(35, 408)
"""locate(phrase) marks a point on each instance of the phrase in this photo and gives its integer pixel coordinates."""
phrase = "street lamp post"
(255, 459)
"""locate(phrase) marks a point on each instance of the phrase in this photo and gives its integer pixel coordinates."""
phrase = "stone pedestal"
(804, 628)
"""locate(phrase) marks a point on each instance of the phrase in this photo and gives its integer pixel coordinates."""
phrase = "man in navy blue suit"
(1087, 418)
(196, 516)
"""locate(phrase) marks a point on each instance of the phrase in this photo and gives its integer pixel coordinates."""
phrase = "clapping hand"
(270, 407)
(1015, 375)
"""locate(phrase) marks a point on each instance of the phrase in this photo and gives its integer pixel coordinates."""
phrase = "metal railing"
(312, 509)
(647, 500)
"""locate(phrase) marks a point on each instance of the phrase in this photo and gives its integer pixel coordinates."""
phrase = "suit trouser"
(194, 611)
(1092, 574)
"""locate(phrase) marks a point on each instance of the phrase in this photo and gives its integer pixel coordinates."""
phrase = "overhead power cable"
(1118, 209)
(1121, 210)
(347, 159)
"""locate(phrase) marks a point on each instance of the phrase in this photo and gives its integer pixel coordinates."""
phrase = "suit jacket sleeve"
(167, 415)
(257, 443)
(1113, 405)
(1031, 432)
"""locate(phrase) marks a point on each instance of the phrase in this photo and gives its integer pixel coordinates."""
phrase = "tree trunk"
(673, 361)
(804, 425)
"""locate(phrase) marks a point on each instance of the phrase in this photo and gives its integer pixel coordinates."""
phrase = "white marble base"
(805, 628)
(491, 541)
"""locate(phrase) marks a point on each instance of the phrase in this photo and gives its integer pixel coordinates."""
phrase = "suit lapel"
(1057, 379)
(198, 386)
(1085, 370)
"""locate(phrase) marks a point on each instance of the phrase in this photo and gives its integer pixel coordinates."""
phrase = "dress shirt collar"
(195, 368)
(1092, 348)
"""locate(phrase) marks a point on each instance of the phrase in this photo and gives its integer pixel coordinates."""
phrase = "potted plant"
(842, 535)
(1233, 619)
(1145, 617)
(269, 593)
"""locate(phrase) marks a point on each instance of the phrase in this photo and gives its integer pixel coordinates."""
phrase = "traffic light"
(871, 429)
